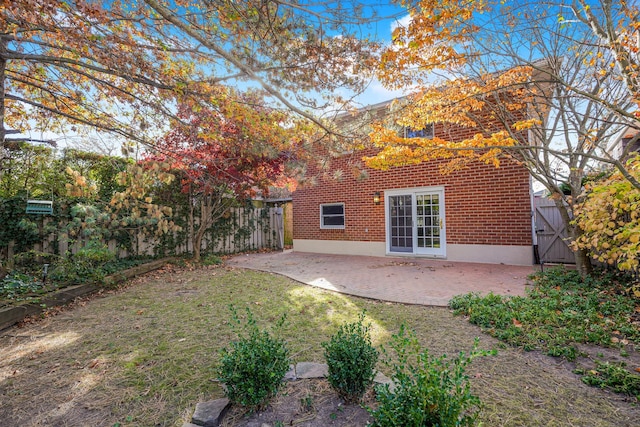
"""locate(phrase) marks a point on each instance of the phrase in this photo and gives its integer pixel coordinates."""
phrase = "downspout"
(534, 234)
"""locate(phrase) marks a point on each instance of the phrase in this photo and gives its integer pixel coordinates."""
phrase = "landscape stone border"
(11, 315)
(211, 413)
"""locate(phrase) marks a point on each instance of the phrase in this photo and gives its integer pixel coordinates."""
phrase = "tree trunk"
(3, 133)
(212, 206)
(197, 244)
(191, 221)
(583, 261)
(205, 222)
(199, 233)
(3, 66)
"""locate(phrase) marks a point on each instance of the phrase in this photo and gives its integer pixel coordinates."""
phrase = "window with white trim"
(426, 132)
(332, 216)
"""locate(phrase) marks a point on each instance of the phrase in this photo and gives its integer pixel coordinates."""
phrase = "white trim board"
(485, 254)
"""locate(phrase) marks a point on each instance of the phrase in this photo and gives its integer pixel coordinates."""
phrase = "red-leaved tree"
(225, 152)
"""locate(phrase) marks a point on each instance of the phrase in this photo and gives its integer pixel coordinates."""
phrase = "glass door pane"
(428, 220)
(429, 223)
(400, 223)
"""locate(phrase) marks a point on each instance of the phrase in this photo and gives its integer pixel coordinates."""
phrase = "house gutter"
(534, 234)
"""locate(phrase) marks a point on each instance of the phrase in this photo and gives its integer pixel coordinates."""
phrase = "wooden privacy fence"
(250, 229)
(552, 236)
(241, 229)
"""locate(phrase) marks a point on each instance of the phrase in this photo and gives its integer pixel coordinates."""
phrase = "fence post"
(279, 226)
(10, 253)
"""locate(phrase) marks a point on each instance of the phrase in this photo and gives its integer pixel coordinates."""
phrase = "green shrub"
(351, 359)
(561, 310)
(253, 368)
(85, 266)
(211, 259)
(16, 285)
(121, 264)
(31, 262)
(613, 376)
(427, 391)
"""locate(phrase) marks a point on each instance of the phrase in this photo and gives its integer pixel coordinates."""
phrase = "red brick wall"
(484, 205)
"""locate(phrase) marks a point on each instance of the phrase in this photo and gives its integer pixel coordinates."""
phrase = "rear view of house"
(479, 214)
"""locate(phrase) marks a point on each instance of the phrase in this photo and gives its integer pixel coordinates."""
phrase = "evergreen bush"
(428, 390)
(351, 360)
(253, 368)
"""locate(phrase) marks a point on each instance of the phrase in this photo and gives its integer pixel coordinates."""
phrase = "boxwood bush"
(427, 390)
(253, 367)
(351, 360)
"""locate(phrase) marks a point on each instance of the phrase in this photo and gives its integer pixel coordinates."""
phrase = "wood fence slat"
(251, 230)
(553, 245)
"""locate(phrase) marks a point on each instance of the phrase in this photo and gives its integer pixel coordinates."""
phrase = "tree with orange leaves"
(124, 67)
(551, 85)
(67, 65)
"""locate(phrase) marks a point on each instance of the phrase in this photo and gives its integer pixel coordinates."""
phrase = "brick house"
(628, 142)
(479, 214)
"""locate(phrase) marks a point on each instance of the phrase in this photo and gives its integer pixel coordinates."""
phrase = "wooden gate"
(550, 229)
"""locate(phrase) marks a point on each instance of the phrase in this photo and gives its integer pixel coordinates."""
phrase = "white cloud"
(402, 22)
(376, 93)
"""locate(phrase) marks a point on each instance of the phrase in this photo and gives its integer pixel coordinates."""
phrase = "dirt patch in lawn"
(146, 354)
(304, 403)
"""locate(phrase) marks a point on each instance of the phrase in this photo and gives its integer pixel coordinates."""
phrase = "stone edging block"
(211, 413)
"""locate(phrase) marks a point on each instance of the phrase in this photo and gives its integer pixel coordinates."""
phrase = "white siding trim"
(484, 254)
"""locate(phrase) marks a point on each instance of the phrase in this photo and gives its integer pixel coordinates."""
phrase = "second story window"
(426, 132)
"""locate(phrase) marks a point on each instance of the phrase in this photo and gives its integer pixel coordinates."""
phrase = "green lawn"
(146, 354)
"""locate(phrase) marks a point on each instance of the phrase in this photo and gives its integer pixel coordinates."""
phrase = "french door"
(416, 221)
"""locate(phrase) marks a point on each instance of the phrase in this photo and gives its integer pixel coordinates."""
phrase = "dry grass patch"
(146, 354)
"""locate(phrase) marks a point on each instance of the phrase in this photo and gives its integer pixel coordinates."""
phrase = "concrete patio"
(406, 280)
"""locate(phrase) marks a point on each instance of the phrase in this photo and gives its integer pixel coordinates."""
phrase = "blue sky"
(390, 15)
(387, 16)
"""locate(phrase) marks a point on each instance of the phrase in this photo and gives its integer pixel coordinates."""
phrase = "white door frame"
(435, 252)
